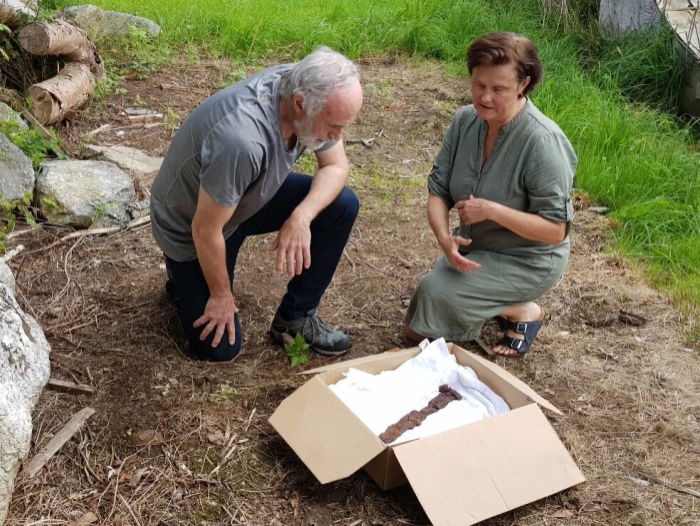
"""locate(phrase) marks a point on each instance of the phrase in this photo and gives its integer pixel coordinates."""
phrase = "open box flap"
(486, 468)
(324, 433)
(392, 356)
(515, 382)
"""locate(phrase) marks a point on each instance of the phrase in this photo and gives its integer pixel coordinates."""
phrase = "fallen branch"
(226, 457)
(367, 143)
(38, 461)
(671, 485)
(95, 232)
(12, 253)
(65, 386)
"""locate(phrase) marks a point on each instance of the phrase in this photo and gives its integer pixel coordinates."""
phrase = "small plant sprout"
(298, 351)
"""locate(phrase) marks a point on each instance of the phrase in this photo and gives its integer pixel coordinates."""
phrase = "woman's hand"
(474, 209)
(450, 246)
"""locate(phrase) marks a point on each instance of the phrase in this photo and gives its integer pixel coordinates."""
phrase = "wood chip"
(630, 318)
(85, 520)
(38, 461)
(65, 386)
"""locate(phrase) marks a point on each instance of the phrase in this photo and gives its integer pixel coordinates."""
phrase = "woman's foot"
(526, 312)
(412, 335)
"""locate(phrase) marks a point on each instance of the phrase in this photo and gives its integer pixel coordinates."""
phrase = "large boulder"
(16, 169)
(24, 370)
(133, 161)
(97, 23)
(84, 193)
(7, 278)
(8, 114)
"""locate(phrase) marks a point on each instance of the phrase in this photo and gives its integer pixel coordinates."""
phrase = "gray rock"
(599, 209)
(28, 7)
(84, 193)
(8, 114)
(621, 16)
(7, 278)
(140, 208)
(16, 169)
(129, 159)
(98, 23)
(24, 370)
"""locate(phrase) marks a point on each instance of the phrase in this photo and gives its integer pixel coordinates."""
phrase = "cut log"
(53, 98)
(9, 16)
(61, 38)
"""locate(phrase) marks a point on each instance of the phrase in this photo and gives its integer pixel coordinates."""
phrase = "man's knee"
(224, 352)
(347, 204)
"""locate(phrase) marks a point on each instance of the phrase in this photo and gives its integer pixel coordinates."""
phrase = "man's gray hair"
(316, 76)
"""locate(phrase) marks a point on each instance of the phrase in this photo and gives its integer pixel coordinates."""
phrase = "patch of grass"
(32, 143)
(632, 157)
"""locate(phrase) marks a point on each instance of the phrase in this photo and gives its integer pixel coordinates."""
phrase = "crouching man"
(227, 176)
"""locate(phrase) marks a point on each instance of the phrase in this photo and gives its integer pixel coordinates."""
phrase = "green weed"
(9, 209)
(32, 143)
(298, 351)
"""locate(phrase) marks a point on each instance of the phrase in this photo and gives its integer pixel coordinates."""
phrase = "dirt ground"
(630, 393)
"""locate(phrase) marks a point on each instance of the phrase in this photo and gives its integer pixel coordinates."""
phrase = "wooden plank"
(38, 461)
(65, 386)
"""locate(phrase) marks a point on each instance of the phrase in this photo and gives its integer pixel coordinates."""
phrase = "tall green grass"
(632, 158)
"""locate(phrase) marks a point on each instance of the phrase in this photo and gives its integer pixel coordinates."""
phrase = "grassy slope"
(632, 159)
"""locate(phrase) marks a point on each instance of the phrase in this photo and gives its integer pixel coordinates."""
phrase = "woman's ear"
(524, 84)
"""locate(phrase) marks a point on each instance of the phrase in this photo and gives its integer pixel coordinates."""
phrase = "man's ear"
(298, 103)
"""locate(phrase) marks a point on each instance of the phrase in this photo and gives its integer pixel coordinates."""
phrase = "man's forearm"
(211, 253)
(327, 183)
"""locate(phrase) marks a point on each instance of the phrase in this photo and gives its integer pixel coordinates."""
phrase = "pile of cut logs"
(54, 98)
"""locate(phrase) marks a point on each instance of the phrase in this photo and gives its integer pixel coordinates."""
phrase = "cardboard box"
(461, 476)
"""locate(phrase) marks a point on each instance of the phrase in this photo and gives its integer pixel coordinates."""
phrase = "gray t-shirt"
(232, 146)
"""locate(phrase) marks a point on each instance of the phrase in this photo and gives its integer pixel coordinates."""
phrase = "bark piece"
(54, 98)
(61, 38)
(38, 461)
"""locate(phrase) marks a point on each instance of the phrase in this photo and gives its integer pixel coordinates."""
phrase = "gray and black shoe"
(320, 337)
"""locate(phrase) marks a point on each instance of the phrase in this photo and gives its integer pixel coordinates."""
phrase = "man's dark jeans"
(330, 231)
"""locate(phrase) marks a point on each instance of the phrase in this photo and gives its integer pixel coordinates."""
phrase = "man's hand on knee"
(218, 316)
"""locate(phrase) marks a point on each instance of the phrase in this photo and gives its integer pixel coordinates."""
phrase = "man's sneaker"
(320, 337)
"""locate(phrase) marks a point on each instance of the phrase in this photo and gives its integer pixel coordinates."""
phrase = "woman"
(508, 171)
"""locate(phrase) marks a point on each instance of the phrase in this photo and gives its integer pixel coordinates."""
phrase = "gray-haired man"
(227, 176)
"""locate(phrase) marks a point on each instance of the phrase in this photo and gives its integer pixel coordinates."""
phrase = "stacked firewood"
(54, 98)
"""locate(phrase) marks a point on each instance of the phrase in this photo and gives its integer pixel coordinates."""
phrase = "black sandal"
(528, 329)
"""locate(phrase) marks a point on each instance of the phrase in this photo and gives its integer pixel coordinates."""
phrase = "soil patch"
(178, 442)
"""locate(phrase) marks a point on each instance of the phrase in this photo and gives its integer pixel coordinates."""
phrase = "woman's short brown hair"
(494, 49)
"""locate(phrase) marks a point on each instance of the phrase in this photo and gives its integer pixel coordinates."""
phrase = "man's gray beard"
(305, 137)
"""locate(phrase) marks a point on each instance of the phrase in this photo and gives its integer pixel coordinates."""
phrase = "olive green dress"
(531, 168)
